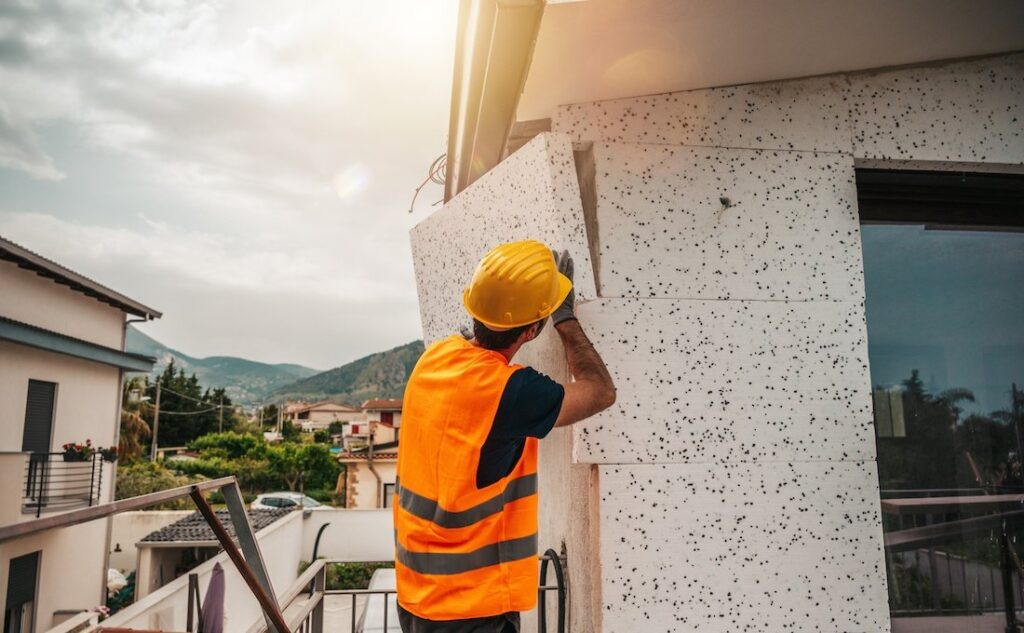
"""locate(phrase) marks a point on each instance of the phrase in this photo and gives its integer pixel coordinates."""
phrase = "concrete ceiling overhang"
(516, 63)
(594, 50)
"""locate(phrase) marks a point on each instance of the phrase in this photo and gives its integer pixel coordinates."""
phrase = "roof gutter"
(493, 51)
(32, 336)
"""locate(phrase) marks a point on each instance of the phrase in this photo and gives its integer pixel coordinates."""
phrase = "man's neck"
(508, 353)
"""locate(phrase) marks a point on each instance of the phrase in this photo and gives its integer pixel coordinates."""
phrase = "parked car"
(372, 619)
(271, 500)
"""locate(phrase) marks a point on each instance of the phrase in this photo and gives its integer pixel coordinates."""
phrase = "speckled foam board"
(742, 547)
(715, 381)
(787, 229)
(970, 111)
(808, 115)
(532, 194)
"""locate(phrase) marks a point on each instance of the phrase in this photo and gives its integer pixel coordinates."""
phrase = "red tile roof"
(319, 405)
(382, 405)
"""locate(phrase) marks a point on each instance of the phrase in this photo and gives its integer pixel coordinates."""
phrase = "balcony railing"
(374, 610)
(52, 484)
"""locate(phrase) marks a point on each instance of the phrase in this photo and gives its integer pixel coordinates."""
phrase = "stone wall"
(733, 484)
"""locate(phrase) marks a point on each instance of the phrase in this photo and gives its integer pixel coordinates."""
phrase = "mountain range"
(380, 375)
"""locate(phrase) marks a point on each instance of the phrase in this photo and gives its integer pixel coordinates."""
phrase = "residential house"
(386, 411)
(176, 549)
(319, 415)
(369, 477)
(773, 207)
(62, 364)
(370, 455)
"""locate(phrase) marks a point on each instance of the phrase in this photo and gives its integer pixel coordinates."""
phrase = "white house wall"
(742, 547)
(754, 224)
(733, 485)
(71, 572)
(42, 302)
(729, 381)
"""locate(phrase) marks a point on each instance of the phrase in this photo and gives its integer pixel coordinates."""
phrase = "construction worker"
(466, 496)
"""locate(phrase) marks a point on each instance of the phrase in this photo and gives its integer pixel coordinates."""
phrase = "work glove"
(566, 311)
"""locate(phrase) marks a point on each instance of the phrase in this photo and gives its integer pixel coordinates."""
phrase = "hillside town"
(706, 318)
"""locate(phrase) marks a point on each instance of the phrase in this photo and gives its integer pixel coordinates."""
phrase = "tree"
(289, 431)
(269, 415)
(143, 478)
(300, 465)
(187, 411)
(134, 430)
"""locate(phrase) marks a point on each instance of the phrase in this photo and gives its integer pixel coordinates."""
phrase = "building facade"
(721, 237)
(62, 362)
(319, 415)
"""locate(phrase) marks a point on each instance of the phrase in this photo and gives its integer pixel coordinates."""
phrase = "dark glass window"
(944, 298)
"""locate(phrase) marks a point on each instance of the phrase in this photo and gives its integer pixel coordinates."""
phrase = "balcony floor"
(988, 623)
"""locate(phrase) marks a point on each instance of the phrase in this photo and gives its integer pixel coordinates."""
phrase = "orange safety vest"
(461, 551)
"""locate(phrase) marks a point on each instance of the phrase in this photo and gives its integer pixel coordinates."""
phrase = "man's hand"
(567, 310)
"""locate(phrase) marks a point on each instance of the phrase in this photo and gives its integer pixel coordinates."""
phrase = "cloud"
(20, 149)
(258, 150)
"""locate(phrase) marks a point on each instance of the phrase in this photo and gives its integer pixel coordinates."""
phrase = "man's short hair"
(489, 339)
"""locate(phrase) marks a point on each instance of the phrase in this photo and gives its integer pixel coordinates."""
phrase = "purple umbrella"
(213, 604)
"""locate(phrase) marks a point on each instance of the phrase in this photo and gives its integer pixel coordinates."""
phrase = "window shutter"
(21, 580)
(38, 416)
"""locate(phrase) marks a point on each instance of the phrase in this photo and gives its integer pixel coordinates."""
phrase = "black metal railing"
(51, 483)
(953, 554)
(375, 610)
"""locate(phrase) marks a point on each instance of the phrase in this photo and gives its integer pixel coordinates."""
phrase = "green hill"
(246, 381)
(380, 375)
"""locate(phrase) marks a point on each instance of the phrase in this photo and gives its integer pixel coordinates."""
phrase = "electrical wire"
(163, 413)
(162, 388)
(436, 174)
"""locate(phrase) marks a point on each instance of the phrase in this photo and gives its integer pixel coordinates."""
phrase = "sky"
(244, 167)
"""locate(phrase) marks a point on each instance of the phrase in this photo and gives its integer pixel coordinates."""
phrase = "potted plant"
(75, 452)
(109, 454)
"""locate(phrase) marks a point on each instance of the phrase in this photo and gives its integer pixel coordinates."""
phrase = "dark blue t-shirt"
(528, 407)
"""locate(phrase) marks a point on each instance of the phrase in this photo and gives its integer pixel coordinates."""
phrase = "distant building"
(370, 475)
(176, 549)
(319, 415)
(63, 362)
(370, 453)
(387, 412)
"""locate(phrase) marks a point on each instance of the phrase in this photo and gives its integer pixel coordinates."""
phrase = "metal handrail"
(248, 563)
(308, 618)
(52, 482)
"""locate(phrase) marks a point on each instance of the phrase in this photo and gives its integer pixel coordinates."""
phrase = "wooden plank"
(936, 505)
(84, 515)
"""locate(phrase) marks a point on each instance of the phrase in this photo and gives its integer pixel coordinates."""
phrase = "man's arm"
(592, 391)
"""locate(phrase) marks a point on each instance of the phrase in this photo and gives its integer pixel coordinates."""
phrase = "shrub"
(230, 445)
(142, 478)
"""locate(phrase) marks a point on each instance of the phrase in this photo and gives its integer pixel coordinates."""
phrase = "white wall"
(71, 572)
(88, 401)
(166, 608)
(128, 528)
(361, 485)
(734, 480)
(42, 302)
(353, 535)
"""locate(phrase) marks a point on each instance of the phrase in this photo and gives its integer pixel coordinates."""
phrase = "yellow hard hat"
(515, 284)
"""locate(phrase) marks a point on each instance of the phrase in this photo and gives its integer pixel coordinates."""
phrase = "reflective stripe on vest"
(444, 563)
(430, 510)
